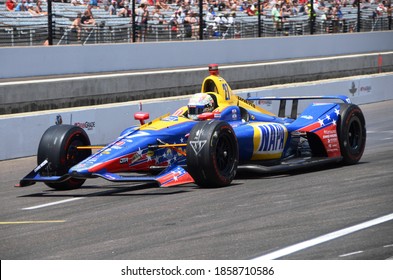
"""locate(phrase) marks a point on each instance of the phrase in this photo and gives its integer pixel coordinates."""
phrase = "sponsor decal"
(330, 141)
(138, 134)
(40, 166)
(226, 91)
(272, 138)
(353, 89)
(361, 87)
(137, 156)
(123, 160)
(365, 89)
(265, 102)
(171, 119)
(197, 145)
(86, 125)
(307, 117)
(109, 177)
(59, 120)
(179, 112)
(246, 101)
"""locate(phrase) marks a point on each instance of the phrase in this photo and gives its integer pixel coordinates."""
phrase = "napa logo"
(272, 139)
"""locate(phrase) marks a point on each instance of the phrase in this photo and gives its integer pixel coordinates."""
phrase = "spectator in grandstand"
(174, 25)
(210, 14)
(112, 8)
(93, 3)
(142, 16)
(89, 11)
(22, 6)
(231, 18)
(339, 13)
(87, 18)
(221, 6)
(162, 4)
(380, 10)
(37, 10)
(276, 12)
(250, 10)
(76, 25)
(276, 15)
(233, 6)
(294, 8)
(191, 25)
(220, 20)
(10, 5)
(120, 4)
(77, 2)
(158, 18)
(125, 11)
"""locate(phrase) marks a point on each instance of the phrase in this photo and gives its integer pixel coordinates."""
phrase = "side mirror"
(206, 116)
(141, 116)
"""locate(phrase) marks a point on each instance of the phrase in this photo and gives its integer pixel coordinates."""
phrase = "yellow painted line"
(31, 222)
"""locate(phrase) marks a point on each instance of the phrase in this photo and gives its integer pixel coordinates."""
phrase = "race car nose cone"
(79, 173)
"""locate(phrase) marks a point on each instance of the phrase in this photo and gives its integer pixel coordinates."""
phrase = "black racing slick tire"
(351, 129)
(212, 153)
(59, 146)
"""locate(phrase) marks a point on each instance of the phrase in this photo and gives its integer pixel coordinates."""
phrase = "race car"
(206, 141)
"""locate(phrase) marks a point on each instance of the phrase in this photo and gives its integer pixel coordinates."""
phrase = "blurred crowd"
(219, 16)
(211, 8)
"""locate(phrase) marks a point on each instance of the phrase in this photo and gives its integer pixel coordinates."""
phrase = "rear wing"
(295, 102)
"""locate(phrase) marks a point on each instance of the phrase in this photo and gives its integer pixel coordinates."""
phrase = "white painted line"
(387, 246)
(323, 238)
(350, 254)
(52, 203)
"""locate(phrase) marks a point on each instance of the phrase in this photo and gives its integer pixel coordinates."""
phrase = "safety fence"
(25, 29)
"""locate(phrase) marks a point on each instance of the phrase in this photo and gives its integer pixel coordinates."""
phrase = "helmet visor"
(195, 109)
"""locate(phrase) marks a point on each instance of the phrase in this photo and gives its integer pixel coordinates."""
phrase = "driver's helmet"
(200, 103)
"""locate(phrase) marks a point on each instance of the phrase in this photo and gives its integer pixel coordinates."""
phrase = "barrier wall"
(21, 132)
(74, 59)
(54, 93)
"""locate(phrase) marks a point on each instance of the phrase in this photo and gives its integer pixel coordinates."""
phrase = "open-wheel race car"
(206, 142)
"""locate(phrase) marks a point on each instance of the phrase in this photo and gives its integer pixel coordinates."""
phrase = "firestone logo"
(365, 89)
(86, 125)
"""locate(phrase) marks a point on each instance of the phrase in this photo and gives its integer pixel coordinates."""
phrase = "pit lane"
(253, 217)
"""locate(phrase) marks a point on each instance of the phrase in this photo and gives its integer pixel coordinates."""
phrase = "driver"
(200, 103)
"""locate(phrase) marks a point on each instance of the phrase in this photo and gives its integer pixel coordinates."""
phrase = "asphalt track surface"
(337, 212)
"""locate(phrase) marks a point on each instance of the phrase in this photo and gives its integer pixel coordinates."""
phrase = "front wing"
(172, 176)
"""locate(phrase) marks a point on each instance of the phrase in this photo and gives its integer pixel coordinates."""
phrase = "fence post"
(259, 19)
(359, 19)
(133, 22)
(312, 17)
(390, 9)
(200, 20)
(50, 31)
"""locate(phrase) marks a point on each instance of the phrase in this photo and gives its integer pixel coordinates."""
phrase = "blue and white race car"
(206, 142)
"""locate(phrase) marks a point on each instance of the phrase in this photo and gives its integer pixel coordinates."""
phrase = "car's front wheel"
(212, 154)
(59, 146)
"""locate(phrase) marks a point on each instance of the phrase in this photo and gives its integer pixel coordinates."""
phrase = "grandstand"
(24, 29)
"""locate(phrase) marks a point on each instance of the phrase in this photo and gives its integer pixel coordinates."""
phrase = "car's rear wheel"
(351, 131)
(212, 154)
(59, 146)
